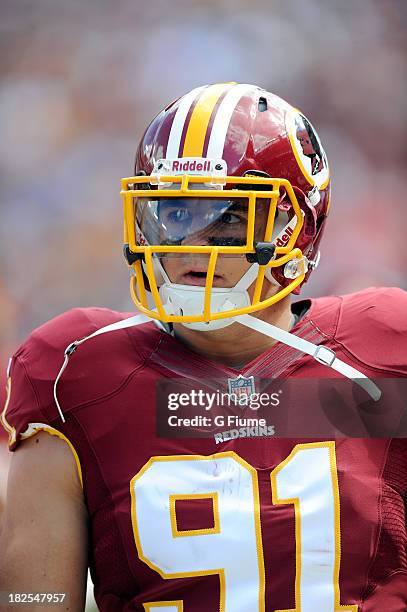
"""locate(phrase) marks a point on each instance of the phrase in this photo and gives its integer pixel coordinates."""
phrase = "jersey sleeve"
(30, 404)
(32, 372)
(97, 369)
(21, 408)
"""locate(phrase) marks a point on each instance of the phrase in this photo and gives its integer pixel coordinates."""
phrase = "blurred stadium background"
(80, 81)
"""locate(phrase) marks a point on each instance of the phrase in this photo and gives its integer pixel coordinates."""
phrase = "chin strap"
(320, 353)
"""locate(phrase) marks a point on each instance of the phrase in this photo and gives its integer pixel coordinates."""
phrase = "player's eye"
(180, 215)
(229, 218)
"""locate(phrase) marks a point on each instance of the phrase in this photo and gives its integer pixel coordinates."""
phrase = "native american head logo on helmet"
(223, 216)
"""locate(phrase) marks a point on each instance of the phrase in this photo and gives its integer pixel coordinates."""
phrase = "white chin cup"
(188, 300)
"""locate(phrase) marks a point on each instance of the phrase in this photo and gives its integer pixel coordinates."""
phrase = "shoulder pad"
(97, 368)
(372, 326)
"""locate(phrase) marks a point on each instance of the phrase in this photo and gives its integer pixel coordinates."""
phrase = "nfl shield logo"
(242, 388)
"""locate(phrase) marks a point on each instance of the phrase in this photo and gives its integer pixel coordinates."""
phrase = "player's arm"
(43, 539)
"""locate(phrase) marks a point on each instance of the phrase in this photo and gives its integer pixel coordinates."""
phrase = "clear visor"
(175, 221)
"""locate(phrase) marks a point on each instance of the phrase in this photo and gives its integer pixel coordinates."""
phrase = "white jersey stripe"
(174, 139)
(222, 119)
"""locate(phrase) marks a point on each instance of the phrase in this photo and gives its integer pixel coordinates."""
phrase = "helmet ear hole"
(262, 105)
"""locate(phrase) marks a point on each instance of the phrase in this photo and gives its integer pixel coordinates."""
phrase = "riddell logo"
(190, 166)
(282, 240)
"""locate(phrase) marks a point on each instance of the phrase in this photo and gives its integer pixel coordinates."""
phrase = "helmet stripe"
(198, 125)
(181, 114)
(211, 121)
(222, 119)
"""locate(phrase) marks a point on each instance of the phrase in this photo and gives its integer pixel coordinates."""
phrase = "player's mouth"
(197, 277)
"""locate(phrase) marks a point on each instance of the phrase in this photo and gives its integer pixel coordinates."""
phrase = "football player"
(223, 221)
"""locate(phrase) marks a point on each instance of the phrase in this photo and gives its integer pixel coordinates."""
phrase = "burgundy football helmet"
(225, 170)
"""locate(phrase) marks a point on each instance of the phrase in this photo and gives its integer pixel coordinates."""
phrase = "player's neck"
(235, 345)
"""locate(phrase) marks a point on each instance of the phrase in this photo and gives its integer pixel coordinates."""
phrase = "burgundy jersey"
(185, 523)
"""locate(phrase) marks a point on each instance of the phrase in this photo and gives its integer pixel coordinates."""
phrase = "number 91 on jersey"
(232, 547)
